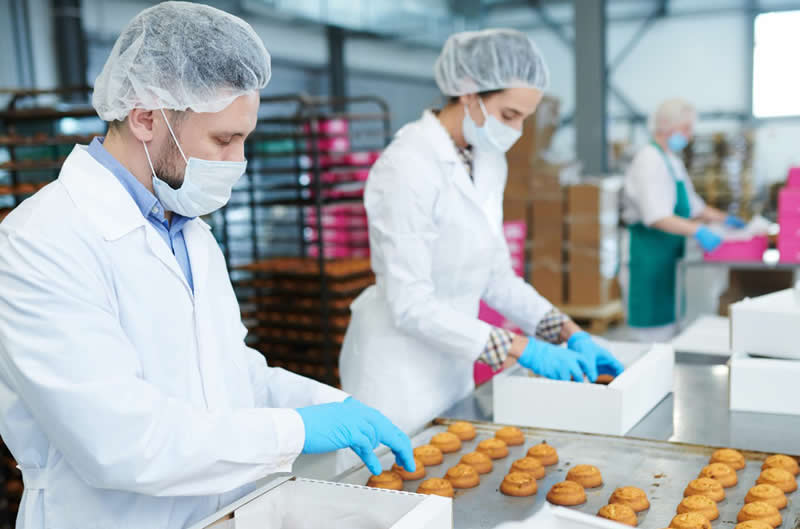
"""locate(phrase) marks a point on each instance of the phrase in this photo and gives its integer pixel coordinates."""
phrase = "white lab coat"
(437, 249)
(128, 401)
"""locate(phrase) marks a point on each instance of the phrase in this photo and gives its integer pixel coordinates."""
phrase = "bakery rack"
(38, 129)
(295, 231)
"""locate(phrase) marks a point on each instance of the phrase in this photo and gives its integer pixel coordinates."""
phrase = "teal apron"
(654, 255)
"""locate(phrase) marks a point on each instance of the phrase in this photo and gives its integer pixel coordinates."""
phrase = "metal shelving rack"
(294, 234)
(34, 140)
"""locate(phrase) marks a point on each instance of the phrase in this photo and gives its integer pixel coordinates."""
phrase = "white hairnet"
(671, 114)
(181, 55)
(492, 59)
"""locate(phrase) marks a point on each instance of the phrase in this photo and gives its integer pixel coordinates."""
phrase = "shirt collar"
(146, 201)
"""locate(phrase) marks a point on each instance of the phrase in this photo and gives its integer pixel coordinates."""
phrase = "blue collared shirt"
(151, 208)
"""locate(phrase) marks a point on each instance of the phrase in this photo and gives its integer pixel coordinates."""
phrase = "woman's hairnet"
(492, 59)
(671, 114)
(181, 55)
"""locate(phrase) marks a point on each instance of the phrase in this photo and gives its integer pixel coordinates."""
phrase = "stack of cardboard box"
(593, 240)
(535, 194)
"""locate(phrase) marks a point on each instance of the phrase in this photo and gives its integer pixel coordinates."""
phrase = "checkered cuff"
(497, 348)
(549, 328)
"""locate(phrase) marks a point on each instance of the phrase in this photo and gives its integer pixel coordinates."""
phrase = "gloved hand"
(735, 222)
(600, 361)
(351, 424)
(708, 240)
(551, 361)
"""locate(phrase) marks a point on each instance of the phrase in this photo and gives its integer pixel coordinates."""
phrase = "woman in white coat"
(662, 209)
(434, 202)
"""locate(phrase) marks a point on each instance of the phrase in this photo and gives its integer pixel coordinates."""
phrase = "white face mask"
(492, 135)
(206, 187)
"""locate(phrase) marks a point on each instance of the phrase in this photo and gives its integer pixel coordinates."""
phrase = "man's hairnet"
(181, 55)
(671, 114)
(492, 59)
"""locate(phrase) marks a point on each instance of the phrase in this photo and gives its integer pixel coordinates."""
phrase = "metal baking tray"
(660, 468)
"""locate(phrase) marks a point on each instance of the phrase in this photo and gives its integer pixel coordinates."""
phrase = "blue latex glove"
(351, 424)
(601, 362)
(707, 239)
(735, 222)
(551, 361)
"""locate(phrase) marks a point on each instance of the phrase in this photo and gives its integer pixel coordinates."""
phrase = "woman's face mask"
(206, 186)
(493, 135)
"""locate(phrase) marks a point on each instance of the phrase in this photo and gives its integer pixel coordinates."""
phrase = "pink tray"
(793, 179)
(752, 250)
(789, 250)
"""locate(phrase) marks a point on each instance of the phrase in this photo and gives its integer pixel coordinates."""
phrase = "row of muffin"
(763, 501)
(466, 474)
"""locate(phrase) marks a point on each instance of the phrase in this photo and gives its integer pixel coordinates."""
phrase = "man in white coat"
(127, 394)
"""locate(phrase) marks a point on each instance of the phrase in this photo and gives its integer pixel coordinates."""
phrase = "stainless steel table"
(697, 412)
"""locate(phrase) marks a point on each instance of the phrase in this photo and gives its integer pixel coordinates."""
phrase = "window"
(776, 77)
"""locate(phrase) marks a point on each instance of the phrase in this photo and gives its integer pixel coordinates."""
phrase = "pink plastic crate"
(793, 179)
(334, 144)
(326, 160)
(515, 230)
(788, 203)
(790, 229)
(752, 250)
(482, 373)
(328, 126)
(362, 158)
(790, 251)
(354, 176)
(338, 222)
(339, 252)
(331, 236)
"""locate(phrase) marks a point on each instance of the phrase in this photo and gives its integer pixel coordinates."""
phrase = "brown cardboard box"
(591, 234)
(516, 209)
(592, 276)
(547, 219)
(539, 177)
(548, 280)
(752, 283)
(595, 198)
(550, 250)
(588, 289)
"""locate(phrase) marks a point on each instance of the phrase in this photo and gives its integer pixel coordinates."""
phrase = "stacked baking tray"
(296, 316)
(660, 468)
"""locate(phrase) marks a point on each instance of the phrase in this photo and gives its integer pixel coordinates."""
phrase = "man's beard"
(170, 167)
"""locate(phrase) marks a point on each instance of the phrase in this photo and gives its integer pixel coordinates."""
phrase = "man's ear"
(468, 99)
(140, 124)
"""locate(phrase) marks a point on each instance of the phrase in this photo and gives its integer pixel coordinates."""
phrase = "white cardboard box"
(296, 503)
(764, 385)
(708, 335)
(526, 400)
(767, 325)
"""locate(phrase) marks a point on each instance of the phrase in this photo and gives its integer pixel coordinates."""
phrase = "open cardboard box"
(767, 325)
(764, 385)
(297, 503)
(527, 400)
